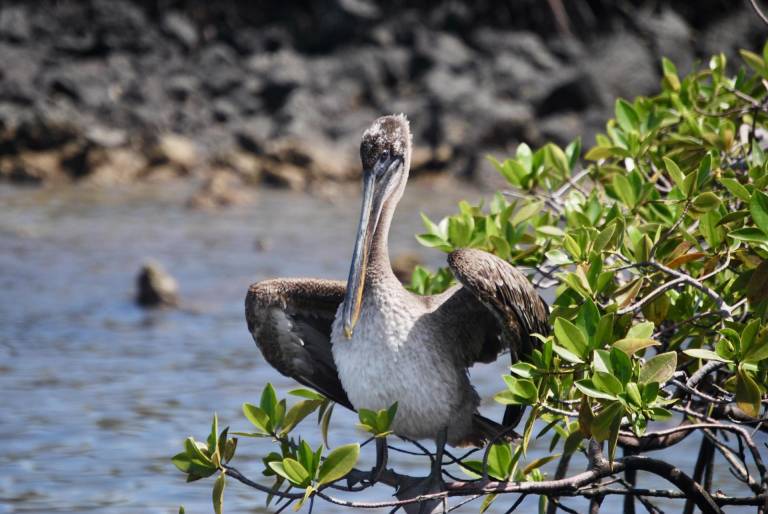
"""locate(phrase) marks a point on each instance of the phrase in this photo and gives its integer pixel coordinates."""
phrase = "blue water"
(97, 394)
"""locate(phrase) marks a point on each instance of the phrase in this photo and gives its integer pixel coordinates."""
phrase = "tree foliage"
(655, 244)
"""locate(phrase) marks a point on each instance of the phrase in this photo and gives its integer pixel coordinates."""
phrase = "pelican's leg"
(427, 485)
(437, 464)
(381, 460)
(434, 482)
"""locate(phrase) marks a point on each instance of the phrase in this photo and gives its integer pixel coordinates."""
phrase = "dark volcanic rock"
(156, 287)
(90, 90)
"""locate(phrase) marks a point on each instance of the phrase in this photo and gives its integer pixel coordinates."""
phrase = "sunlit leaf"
(658, 369)
(338, 463)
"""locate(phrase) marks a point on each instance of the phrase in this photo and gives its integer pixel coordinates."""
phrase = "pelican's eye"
(384, 157)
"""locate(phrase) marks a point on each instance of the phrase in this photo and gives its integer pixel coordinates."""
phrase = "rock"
(14, 24)
(222, 189)
(731, 30)
(572, 91)
(441, 48)
(181, 86)
(671, 37)
(42, 132)
(177, 150)
(425, 159)
(285, 175)
(106, 137)
(448, 87)
(320, 158)
(224, 110)
(246, 165)
(561, 128)
(109, 166)
(621, 66)
(526, 45)
(156, 287)
(498, 122)
(253, 134)
(178, 26)
(35, 167)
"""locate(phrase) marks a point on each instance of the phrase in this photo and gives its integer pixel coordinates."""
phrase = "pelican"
(369, 342)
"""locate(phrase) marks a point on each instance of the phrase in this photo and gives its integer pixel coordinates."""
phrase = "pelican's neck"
(379, 268)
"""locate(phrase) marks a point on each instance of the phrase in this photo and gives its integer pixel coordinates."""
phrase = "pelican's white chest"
(392, 357)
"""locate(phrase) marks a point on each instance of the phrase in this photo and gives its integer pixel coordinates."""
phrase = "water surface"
(97, 394)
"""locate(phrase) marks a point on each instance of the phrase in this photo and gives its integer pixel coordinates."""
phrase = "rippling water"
(97, 394)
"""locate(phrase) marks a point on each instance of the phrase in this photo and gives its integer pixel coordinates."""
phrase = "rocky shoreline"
(118, 91)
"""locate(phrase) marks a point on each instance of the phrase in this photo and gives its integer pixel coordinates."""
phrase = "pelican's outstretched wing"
(290, 320)
(505, 292)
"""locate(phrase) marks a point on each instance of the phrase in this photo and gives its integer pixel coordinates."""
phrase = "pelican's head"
(386, 156)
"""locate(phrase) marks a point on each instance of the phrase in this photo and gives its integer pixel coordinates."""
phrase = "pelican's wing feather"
(290, 320)
(504, 291)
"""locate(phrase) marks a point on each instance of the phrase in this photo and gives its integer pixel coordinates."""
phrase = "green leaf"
(633, 393)
(604, 237)
(268, 402)
(626, 116)
(607, 383)
(307, 393)
(558, 159)
(757, 351)
(218, 493)
(537, 463)
(658, 369)
(649, 392)
(604, 420)
(434, 241)
(297, 413)
(587, 387)
(573, 152)
(527, 212)
(632, 345)
(213, 437)
(257, 417)
(195, 453)
(642, 330)
(747, 394)
(294, 471)
(758, 206)
(522, 387)
(748, 335)
(338, 463)
(674, 172)
(567, 355)
(499, 460)
(701, 353)
(707, 201)
(325, 422)
(602, 152)
(755, 62)
(601, 361)
(751, 234)
(570, 337)
(736, 189)
(622, 365)
(624, 190)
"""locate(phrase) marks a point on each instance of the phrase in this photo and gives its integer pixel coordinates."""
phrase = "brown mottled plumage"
(369, 342)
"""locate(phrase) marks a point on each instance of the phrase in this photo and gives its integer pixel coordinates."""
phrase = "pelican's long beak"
(356, 282)
(374, 187)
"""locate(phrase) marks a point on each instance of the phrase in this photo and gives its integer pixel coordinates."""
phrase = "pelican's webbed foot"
(431, 484)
